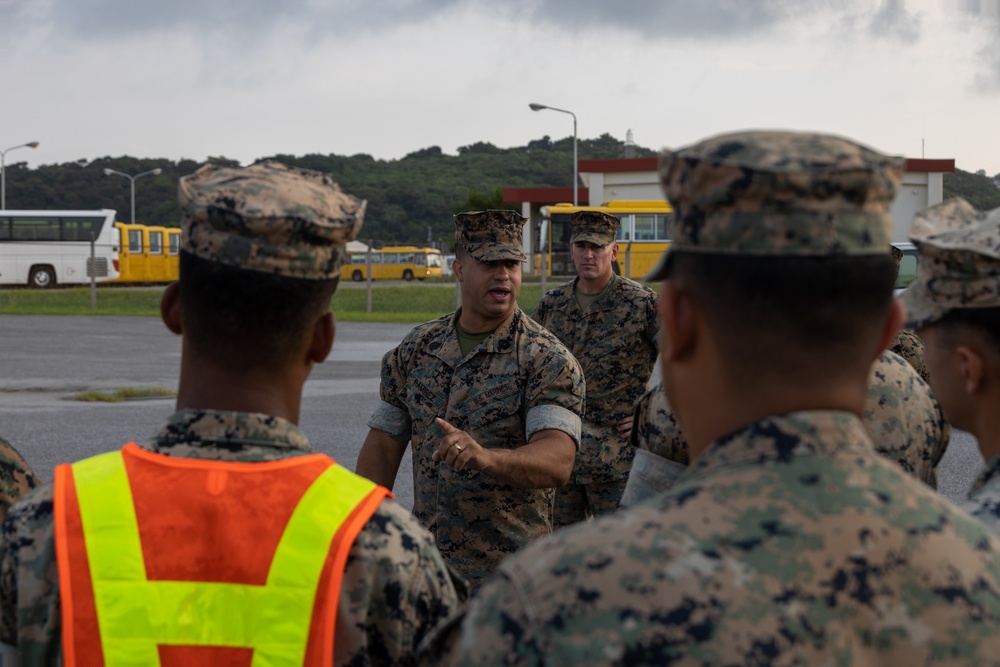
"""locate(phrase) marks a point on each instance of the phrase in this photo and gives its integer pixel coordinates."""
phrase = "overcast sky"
(251, 78)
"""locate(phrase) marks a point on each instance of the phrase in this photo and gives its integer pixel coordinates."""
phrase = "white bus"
(47, 248)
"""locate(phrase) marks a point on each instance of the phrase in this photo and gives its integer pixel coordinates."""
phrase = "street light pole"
(155, 172)
(3, 171)
(538, 107)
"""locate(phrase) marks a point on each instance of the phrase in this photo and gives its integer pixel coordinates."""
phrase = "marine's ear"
(170, 308)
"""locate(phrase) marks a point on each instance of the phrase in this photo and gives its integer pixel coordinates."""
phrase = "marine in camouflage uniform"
(516, 385)
(614, 339)
(788, 540)
(16, 477)
(903, 419)
(954, 304)
(292, 223)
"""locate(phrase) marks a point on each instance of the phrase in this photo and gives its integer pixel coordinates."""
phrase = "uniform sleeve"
(496, 629)
(29, 580)
(391, 415)
(16, 477)
(556, 389)
(396, 589)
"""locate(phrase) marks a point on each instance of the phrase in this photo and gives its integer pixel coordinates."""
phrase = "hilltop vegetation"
(410, 200)
(406, 197)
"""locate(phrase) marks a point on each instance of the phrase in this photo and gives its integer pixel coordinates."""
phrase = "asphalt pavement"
(46, 360)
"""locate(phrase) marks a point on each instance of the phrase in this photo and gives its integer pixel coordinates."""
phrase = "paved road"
(45, 360)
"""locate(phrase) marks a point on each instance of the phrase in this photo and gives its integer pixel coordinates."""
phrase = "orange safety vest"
(173, 561)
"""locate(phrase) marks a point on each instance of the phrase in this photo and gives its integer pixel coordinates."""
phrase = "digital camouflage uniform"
(292, 223)
(516, 382)
(958, 267)
(903, 419)
(395, 589)
(615, 341)
(786, 542)
(984, 496)
(16, 477)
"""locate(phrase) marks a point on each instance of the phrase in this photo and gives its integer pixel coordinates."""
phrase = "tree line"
(410, 200)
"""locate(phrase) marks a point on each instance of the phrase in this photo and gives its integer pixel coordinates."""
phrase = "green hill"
(409, 200)
(978, 189)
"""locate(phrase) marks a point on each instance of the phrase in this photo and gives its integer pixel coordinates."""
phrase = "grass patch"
(123, 394)
(390, 303)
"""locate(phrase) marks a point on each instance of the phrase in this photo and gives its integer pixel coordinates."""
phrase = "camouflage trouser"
(577, 502)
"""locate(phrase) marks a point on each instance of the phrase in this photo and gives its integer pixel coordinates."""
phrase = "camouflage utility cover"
(491, 236)
(779, 193)
(270, 218)
(395, 586)
(958, 262)
(909, 346)
(984, 498)
(789, 542)
(16, 477)
(518, 381)
(594, 227)
(615, 341)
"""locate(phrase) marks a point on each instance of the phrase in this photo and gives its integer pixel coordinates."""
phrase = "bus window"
(135, 241)
(175, 243)
(156, 243)
(625, 230)
(663, 222)
(645, 227)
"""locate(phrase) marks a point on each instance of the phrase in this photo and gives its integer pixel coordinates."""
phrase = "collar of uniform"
(990, 473)
(500, 342)
(783, 438)
(229, 431)
(604, 300)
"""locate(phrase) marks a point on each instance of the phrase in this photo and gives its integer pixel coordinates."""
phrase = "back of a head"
(783, 238)
(261, 252)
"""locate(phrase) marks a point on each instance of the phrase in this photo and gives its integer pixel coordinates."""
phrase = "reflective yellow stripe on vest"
(136, 614)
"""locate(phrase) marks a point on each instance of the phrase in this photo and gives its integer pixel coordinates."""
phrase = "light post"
(155, 172)
(539, 107)
(3, 171)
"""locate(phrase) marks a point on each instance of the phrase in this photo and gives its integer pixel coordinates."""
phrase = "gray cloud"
(243, 20)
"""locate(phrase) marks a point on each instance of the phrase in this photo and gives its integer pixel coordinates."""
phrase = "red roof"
(543, 195)
(928, 166)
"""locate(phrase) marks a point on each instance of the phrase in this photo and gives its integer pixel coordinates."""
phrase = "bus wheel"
(41, 277)
(407, 275)
(357, 277)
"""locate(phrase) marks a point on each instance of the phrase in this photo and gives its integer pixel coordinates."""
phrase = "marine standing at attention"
(491, 402)
(954, 304)
(224, 540)
(610, 324)
(788, 540)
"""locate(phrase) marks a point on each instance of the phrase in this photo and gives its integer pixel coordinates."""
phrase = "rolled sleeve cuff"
(543, 417)
(650, 475)
(393, 421)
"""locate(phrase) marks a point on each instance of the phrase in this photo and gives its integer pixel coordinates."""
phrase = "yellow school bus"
(395, 263)
(643, 236)
(148, 254)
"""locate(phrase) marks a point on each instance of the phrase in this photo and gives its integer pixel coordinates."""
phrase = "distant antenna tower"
(629, 144)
